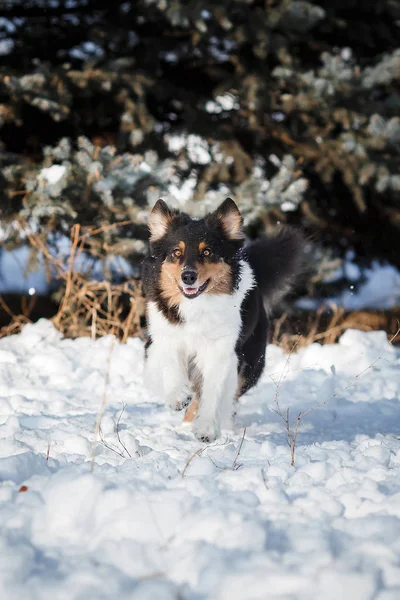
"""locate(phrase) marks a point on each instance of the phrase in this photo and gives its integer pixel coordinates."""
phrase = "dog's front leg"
(218, 365)
(165, 374)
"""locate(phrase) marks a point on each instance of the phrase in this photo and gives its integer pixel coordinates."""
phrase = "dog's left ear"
(159, 220)
(231, 220)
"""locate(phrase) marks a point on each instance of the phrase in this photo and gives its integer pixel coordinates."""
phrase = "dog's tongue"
(190, 290)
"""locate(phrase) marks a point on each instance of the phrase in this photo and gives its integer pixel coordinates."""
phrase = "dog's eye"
(207, 252)
(177, 253)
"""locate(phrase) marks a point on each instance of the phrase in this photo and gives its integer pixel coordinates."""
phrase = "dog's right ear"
(159, 220)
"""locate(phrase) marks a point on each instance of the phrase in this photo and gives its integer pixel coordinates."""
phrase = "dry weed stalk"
(278, 410)
(121, 443)
(328, 330)
(91, 308)
(235, 464)
(200, 451)
(103, 403)
(293, 430)
(121, 449)
(192, 457)
(17, 321)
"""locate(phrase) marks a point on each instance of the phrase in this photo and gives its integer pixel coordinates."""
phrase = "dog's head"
(196, 256)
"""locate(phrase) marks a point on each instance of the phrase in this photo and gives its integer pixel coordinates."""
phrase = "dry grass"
(87, 308)
(16, 321)
(100, 414)
(98, 308)
(325, 326)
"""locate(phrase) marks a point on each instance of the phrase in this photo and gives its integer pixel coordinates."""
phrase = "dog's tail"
(277, 263)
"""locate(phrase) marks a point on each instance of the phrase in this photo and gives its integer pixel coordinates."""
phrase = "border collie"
(206, 294)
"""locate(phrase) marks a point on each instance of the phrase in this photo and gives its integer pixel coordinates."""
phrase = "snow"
(381, 289)
(86, 50)
(197, 148)
(6, 47)
(6, 44)
(223, 102)
(220, 49)
(182, 192)
(53, 174)
(171, 57)
(376, 287)
(148, 524)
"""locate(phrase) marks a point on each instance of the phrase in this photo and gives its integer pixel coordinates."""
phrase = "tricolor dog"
(207, 293)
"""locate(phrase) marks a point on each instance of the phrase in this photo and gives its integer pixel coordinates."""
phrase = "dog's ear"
(159, 220)
(231, 220)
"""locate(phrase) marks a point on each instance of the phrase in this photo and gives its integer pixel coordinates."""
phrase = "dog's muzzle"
(191, 287)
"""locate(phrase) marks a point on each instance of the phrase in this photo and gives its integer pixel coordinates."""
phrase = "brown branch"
(71, 259)
(235, 466)
(103, 402)
(117, 431)
(193, 456)
(109, 446)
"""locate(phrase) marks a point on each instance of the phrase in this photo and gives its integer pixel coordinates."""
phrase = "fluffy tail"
(276, 263)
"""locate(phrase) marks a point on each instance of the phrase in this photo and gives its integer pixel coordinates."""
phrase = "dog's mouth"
(194, 291)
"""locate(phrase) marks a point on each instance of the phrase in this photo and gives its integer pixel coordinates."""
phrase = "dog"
(207, 298)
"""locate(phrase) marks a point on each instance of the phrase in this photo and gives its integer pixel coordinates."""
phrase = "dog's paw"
(179, 403)
(205, 431)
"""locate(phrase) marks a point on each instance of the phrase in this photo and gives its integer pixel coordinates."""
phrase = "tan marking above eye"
(179, 251)
(204, 250)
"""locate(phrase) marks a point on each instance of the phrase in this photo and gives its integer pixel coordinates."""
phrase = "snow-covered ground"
(376, 287)
(147, 524)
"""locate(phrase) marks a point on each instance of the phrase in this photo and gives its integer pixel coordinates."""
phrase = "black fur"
(276, 262)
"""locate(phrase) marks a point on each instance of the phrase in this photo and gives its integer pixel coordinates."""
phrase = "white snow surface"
(53, 174)
(247, 526)
(380, 288)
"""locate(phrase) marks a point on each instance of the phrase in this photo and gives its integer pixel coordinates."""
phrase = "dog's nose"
(189, 277)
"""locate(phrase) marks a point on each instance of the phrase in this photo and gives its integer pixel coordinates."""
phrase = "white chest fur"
(209, 332)
(206, 318)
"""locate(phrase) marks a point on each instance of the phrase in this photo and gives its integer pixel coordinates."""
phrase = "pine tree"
(289, 106)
